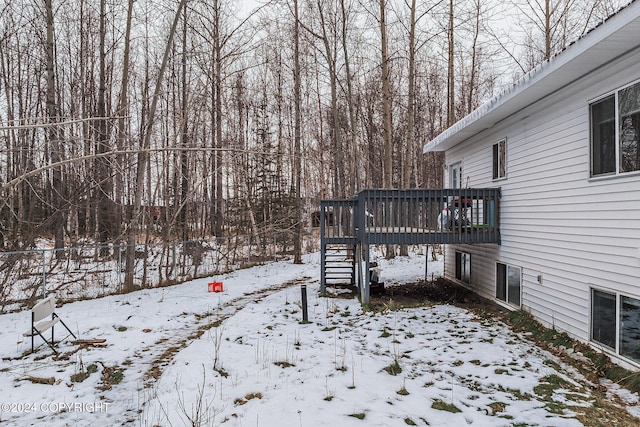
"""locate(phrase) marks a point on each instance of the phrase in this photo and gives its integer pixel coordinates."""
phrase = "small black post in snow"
(305, 313)
(426, 264)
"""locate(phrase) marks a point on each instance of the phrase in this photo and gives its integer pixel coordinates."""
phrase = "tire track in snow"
(162, 352)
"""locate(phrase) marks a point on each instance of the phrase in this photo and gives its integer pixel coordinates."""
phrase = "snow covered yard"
(182, 356)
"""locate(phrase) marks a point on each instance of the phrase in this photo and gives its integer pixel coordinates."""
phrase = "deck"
(406, 217)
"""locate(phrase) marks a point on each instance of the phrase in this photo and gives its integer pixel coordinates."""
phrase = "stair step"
(339, 266)
(339, 283)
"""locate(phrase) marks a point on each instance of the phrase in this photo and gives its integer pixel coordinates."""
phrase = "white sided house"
(563, 144)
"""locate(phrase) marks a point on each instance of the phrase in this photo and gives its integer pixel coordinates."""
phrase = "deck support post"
(323, 249)
(426, 262)
(357, 258)
(365, 286)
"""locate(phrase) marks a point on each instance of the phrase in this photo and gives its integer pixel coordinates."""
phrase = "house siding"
(556, 221)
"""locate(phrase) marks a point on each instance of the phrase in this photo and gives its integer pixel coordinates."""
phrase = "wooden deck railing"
(338, 221)
(417, 216)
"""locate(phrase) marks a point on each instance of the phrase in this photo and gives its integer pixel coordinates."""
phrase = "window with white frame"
(500, 159)
(615, 322)
(615, 132)
(508, 283)
(603, 318)
(463, 267)
(455, 180)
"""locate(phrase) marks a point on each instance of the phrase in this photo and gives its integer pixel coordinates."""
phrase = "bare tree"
(386, 99)
(550, 25)
(297, 152)
(315, 102)
(121, 112)
(450, 69)
(143, 155)
(352, 143)
(184, 136)
(105, 210)
(55, 144)
(218, 45)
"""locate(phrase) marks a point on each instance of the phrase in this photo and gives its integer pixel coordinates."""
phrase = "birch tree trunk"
(336, 134)
(297, 154)
(217, 63)
(104, 212)
(386, 113)
(450, 70)
(353, 145)
(184, 165)
(411, 77)
(53, 136)
(473, 77)
(143, 157)
(386, 101)
(408, 151)
(122, 112)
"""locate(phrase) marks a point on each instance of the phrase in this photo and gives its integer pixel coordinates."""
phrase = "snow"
(261, 366)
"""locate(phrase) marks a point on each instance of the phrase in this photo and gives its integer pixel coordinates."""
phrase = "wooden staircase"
(339, 265)
(399, 217)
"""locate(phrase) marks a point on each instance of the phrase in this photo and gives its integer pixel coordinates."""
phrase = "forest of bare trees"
(181, 119)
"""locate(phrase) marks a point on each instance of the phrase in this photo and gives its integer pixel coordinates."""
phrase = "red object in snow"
(216, 287)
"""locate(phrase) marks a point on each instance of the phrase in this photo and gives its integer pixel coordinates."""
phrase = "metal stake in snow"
(305, 313)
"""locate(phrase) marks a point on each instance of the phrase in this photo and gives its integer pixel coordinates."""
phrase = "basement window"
(603, 318)
(463, 267)
(508, 283)
(615, 323)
